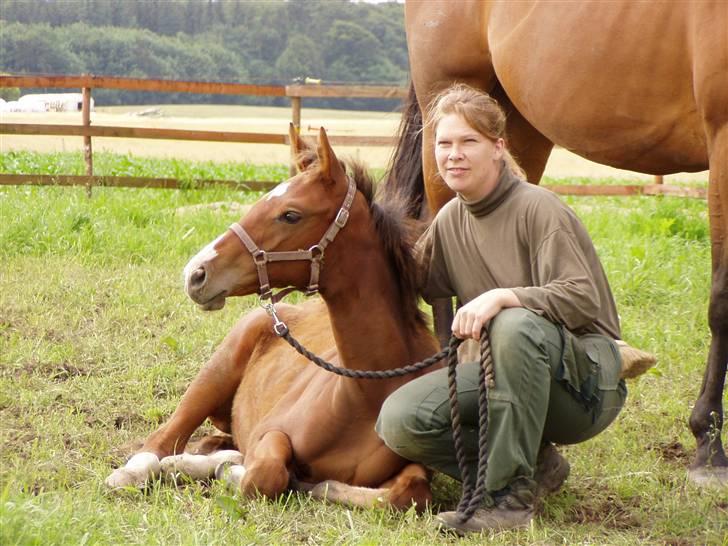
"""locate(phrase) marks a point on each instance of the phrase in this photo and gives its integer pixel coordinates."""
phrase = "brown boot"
(509, 508)
(552, 469)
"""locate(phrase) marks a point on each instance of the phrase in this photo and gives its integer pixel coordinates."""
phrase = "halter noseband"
(315, 254)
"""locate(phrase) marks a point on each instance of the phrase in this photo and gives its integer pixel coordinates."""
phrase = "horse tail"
(404, 179)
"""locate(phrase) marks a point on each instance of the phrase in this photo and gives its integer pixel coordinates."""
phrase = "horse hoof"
(715, 477)
(231, 474)
(141, 468)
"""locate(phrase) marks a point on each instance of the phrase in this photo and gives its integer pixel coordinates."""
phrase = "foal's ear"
(298, 147)
(330, 165)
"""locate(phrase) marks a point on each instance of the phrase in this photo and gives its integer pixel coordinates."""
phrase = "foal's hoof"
(715, 477)
(230, 474)
(141, 468)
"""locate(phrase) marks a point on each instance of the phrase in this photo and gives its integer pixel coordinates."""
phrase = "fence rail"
(295, 93)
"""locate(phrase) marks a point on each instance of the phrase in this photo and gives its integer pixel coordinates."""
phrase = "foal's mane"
(397, 231)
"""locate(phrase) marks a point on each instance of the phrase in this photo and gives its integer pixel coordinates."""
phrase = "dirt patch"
(65, 371)
(673, 452)
(610, 511)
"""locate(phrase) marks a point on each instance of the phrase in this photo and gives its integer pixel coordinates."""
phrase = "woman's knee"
(519, 336)
(512, 326)
(396, 420)
(414, 416)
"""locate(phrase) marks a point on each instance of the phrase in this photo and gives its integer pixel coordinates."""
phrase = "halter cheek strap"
(315, 254)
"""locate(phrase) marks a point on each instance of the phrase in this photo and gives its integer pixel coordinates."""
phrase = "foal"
(293, 423)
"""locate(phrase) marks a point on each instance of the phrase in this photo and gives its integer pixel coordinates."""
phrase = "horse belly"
(611, 81)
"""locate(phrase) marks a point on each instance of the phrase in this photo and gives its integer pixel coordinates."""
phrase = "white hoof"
(709, 476)
(198, 467)
(231, 474)
(141, 468)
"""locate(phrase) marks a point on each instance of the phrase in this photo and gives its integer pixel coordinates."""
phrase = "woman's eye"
(290, 217)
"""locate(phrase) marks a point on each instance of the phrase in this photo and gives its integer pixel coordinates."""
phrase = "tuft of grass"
(98, 343)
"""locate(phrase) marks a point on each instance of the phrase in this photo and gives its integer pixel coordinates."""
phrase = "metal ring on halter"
(317, 252)
(259, 257)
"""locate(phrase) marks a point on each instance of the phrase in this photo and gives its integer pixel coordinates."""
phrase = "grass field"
(98, 343)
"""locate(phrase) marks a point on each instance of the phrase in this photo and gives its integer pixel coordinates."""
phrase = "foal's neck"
(366, 314)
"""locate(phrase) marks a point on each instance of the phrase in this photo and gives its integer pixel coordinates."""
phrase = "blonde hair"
(481, 111)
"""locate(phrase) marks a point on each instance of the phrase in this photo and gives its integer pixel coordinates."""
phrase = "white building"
(52, 102)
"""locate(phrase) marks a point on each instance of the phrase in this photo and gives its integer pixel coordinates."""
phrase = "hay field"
(274, 120)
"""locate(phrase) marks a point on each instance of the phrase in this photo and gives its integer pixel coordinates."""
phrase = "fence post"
(87, 151)
(296, 120)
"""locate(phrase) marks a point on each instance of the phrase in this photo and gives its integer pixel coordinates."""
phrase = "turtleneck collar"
(507, 182)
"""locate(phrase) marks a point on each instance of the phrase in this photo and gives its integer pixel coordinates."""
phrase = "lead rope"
(472, 493)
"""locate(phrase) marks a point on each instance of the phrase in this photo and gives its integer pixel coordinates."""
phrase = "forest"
(263, 42)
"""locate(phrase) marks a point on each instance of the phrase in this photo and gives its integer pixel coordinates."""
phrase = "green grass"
(113, 164)
(98, 343)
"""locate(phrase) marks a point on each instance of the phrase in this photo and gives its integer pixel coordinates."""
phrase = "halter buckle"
(259, 257)
(341, 218)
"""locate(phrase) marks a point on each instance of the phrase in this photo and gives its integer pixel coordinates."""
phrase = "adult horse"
(292, 421)
(636, 85)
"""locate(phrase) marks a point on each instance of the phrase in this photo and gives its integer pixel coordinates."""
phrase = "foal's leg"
(266, 467)
(209, 395)
(411, 487)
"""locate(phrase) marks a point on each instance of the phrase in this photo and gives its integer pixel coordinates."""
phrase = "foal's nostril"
(198, 277)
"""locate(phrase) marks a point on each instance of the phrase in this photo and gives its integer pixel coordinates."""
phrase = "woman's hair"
(479, 110)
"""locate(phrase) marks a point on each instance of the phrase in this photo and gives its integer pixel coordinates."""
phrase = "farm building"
(52, 102)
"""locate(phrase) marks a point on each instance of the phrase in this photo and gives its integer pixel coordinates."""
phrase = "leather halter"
(315, 254)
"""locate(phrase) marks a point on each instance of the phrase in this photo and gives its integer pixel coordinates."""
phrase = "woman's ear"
(499, 147)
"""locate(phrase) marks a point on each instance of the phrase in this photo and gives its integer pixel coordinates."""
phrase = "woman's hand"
(471, 317)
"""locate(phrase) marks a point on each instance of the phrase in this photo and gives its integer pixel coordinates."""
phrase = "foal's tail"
(404, 179)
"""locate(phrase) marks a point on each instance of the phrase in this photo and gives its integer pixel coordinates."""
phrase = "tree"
(9, 93)
(301, 58)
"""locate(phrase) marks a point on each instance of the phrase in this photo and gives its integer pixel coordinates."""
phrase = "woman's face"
(467, 161)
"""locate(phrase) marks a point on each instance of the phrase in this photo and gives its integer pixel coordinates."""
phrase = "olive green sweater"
(521, 237)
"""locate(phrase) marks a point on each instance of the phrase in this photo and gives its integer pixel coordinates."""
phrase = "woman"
(522, 264)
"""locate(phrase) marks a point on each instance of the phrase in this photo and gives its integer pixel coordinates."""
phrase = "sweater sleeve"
(564, 289)
(433, 278)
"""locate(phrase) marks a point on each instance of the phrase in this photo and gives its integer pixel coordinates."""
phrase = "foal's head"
(293, 217)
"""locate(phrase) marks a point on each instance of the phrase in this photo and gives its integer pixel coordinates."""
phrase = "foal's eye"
(290, 217)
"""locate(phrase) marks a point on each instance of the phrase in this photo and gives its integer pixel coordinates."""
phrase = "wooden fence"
(294, 92)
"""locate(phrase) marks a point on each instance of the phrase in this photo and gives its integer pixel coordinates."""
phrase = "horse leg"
(265, 471)
(210, 444)
(209, 395)
(411, 487)
(529, 148)
(706, 420)
(198, 467)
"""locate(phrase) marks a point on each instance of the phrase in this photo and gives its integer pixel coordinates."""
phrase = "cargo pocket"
(590, 363)
(610, 363)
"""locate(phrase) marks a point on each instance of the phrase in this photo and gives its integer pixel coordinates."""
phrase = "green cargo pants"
(549, 386)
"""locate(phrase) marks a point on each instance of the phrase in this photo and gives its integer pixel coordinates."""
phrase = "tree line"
(266, 42)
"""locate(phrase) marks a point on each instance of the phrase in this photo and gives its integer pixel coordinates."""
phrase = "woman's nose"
(455, 153)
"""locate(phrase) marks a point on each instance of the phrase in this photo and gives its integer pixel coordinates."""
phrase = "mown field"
(98, 342)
